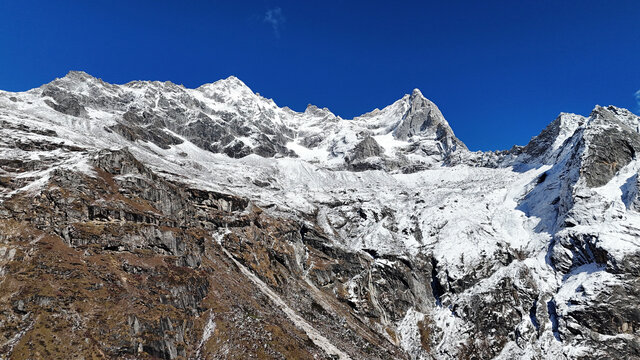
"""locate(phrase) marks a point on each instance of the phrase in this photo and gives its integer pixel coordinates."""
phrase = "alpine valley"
(148, 220)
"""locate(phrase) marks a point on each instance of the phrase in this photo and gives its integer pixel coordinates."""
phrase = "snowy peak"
(316, 111)
(615, 115)
(78, 82)
(417, 93)
(408, 135)
(422, 117)
(230, 90)
(78, 76)
(232, 81)
(612, 141)
(229, 85)
(423, 122)
(546, 145)
(599, 146)
(412, 117)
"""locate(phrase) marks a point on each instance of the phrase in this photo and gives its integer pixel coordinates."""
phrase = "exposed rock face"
(365, 149)
(551, 138)
(64, 103)
(630, 193)
(424, 117)
(143, 252)
(148, 220)
(360, 156)
(612, 144)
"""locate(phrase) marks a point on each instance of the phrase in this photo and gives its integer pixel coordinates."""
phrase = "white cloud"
(275, 18)
(638, 100)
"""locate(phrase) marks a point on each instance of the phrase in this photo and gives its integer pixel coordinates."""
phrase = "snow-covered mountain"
(249, 229)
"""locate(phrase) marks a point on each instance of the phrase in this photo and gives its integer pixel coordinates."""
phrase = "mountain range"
(149, 220)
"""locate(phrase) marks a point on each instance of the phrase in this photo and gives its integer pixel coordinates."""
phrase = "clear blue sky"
(499, 70)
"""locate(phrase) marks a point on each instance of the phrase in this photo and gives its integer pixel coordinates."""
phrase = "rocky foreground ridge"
(147, 220)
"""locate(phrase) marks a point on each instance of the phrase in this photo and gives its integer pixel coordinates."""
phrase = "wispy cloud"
(638, 101)
(276, 19)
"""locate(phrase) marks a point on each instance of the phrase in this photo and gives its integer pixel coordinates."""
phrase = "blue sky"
(500, 71)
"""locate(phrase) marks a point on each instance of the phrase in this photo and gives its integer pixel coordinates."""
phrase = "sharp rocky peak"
(612, 115)
(78, 76)
(416, 93)
(74, 81)
(423, 118)
(317, 111)
(230, 83)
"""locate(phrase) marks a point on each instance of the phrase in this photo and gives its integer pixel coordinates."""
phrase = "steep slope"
(228, 227)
